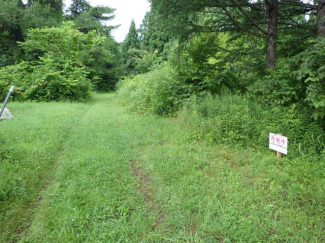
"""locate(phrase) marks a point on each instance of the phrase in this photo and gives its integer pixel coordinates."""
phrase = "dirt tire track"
(144, 181)
(46, 181)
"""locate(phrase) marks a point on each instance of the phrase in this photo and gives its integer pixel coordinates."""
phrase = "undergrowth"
(68, 177)
(239, 120)
(158, 92)
(224, 119)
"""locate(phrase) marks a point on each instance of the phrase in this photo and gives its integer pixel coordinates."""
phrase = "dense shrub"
(234, 119)
(159, 91)
(70, 83)
(14, 75)
(225, 118)
(61, 65)
(297, 79)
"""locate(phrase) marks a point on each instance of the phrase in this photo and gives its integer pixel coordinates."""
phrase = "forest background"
(234, 70)
(222, 74)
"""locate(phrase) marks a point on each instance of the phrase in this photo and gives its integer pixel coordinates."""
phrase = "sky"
(126, 10)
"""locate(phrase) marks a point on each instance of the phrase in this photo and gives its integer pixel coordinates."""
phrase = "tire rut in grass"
(47, 180)
(144, 182)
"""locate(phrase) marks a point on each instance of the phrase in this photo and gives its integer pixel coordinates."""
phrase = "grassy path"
(93, 173)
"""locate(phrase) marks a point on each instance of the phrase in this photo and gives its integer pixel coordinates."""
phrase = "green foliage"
(55, 5)
(78, 7)
(101, 65)
(132, 39)
(10, 31)
(154, 35)
(225, 118)
(131, 51)
(131, 59)
(14, 75)
(148, 62)
(236, 120)
(62, 64)
(297, 79)
(62, 166)
(16, 19)
(159, 91)
(106, 67)
(92, 19)
(51, 81)
(268, 20)
(140, 61)
(38, 16)
(312, 72)
(219, 63)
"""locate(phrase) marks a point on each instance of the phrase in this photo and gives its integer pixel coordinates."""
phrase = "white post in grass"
(7, 99)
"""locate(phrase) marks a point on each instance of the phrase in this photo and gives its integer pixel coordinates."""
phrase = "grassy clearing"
(214, 193)
(97, 174)
(30, 145)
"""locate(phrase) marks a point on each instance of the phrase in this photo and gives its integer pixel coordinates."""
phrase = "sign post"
(278, 143)
(7, 99)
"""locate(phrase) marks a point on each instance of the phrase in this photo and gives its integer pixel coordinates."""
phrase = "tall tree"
(10, 30)
(56, 5)
(258, 18)
(131, 51)
(321, 18)
(272, 32)
(153, 35)
(93, 18)
(88, 18)
(132, 39)
(78, 7)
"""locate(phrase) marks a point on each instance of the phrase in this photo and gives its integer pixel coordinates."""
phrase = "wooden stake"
(278, 154)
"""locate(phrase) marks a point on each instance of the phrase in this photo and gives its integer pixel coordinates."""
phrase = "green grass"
(66, 176)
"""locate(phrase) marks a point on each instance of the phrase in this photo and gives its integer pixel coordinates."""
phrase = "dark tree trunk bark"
(271, 46)
(321, 18)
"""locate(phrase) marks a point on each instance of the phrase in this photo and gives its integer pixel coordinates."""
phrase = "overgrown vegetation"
(211, 80)
(69, 174)
(56, 60)
(224, 83)
(226, 118)
(157, 92)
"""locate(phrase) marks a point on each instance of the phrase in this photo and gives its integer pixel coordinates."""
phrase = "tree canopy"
(268, 20)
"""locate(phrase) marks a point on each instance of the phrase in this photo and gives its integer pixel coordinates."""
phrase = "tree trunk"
(321, 18)
(271, 46)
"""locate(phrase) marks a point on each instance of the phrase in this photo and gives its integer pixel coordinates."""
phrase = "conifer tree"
(132, 39)
(78, 7)
(131, 49)
(56, 5)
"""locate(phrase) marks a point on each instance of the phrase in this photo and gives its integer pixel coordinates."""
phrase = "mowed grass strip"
(215, 193)
(30, 144)
(198, 192)
(94, 196)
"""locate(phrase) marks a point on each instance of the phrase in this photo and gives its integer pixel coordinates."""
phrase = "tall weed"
(225, 118)
(158, 92)
(234, 119)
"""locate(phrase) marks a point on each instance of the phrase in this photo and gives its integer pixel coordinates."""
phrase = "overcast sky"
(126, 10)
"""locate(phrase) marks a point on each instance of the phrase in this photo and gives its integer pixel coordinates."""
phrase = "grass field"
(91, 172)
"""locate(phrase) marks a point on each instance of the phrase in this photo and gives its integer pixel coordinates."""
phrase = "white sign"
(278, 143)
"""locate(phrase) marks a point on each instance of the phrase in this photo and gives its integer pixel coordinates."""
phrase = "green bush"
(298, 79)
(234, 119)
(54, 84)
(225, 118)
(61, 65)
(15, 75)
(158, 92)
